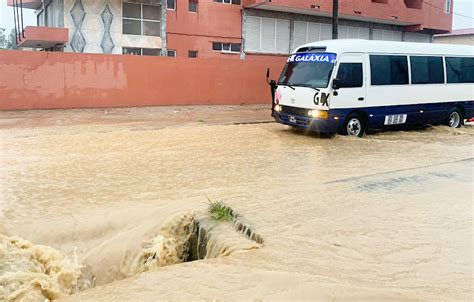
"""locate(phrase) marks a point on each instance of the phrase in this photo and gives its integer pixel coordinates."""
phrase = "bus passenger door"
(351, 92)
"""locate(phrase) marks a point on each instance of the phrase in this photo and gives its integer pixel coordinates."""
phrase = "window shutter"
(268, 35)
(313, 32)
(397, 36)
(353, 33)
(282, 36)
(377, 34)
(252, 33)
(300, 33)
(425, 38)
(387, 35)
(364, 33)
(326, 32)
(342, 34)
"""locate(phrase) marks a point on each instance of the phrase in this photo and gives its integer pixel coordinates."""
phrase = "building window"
(426, 70)
(141, 19)
(415, 4)
(447, 6)
(226, 47)
(171, 53)
(228, 1)
(171, 4)
(193, 6)
(267, 35)
(307, 32)
(388, 70)
(416, 37)
(141, 51)
(193, 54)
(351, 32)
(350, 75)
(387, 35)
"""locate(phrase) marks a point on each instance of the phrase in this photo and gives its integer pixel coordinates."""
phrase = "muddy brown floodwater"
(387, 217)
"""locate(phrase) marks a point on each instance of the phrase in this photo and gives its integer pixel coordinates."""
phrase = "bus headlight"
(277, 108)
(321, 114)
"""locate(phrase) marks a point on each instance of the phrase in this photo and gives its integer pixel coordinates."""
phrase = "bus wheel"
(354, 126)
(455, 119)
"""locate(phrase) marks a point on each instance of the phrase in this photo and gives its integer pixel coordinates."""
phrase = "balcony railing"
(47, 38)
(31, 4)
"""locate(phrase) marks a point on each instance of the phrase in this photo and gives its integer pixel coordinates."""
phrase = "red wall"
(39, 80)
(214, 22)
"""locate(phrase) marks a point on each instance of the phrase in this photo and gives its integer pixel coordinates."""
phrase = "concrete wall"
(464, 39)
(87, 29)
(38, 80)
(97, 27)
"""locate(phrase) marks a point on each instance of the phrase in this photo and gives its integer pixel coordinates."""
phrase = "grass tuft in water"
(219, 211)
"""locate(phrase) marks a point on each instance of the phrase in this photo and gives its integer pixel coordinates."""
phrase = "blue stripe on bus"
(416, 113)
(432, 113)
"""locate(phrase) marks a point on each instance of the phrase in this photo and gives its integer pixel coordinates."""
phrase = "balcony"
(43, 37)
(31, 4)
(292, 6)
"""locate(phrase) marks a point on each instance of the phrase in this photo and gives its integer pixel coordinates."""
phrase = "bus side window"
(350, 75)
(460, 70)
(388, 70)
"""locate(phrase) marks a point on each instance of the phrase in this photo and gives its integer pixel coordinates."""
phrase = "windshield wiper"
(283, 84)
(306, 85)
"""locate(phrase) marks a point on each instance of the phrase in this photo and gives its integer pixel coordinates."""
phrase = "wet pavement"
(386, 217)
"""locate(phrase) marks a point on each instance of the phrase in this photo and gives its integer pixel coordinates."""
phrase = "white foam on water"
(30, 272)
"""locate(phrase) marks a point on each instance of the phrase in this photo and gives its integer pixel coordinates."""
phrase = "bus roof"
(389, 47)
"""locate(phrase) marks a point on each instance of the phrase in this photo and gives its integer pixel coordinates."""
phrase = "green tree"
(3, 39)
(7, 41)
(12, 41)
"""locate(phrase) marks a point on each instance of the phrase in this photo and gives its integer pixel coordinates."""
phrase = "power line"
(441, 8)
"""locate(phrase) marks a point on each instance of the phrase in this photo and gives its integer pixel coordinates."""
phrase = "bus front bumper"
(327, 126)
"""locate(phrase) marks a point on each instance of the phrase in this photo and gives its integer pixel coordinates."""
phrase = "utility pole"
(335, 15)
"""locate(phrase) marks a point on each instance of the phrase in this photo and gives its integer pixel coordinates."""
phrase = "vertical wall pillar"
(60, 13)
(371, 31)
(292, 36)
(164, 15)
(242, 46)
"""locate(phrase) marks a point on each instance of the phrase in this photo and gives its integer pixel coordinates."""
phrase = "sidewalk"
(160, 116)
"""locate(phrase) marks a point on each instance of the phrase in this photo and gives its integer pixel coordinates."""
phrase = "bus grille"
(294, 111)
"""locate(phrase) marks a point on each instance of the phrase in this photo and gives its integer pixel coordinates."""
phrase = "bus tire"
(455, 118)
(354, 126)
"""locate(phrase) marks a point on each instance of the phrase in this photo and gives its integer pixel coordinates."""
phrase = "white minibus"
(349, 86)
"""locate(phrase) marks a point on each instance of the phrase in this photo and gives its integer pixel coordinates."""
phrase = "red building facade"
(232, 29)
(222, 21)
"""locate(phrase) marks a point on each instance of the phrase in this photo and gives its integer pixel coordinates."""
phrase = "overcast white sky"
(464, 7)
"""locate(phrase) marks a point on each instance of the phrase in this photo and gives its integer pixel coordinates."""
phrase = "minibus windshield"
(308, 70)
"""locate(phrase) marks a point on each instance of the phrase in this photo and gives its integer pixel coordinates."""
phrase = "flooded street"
(386, 217)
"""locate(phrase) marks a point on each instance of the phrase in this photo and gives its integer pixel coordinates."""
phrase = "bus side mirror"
(336, 84)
